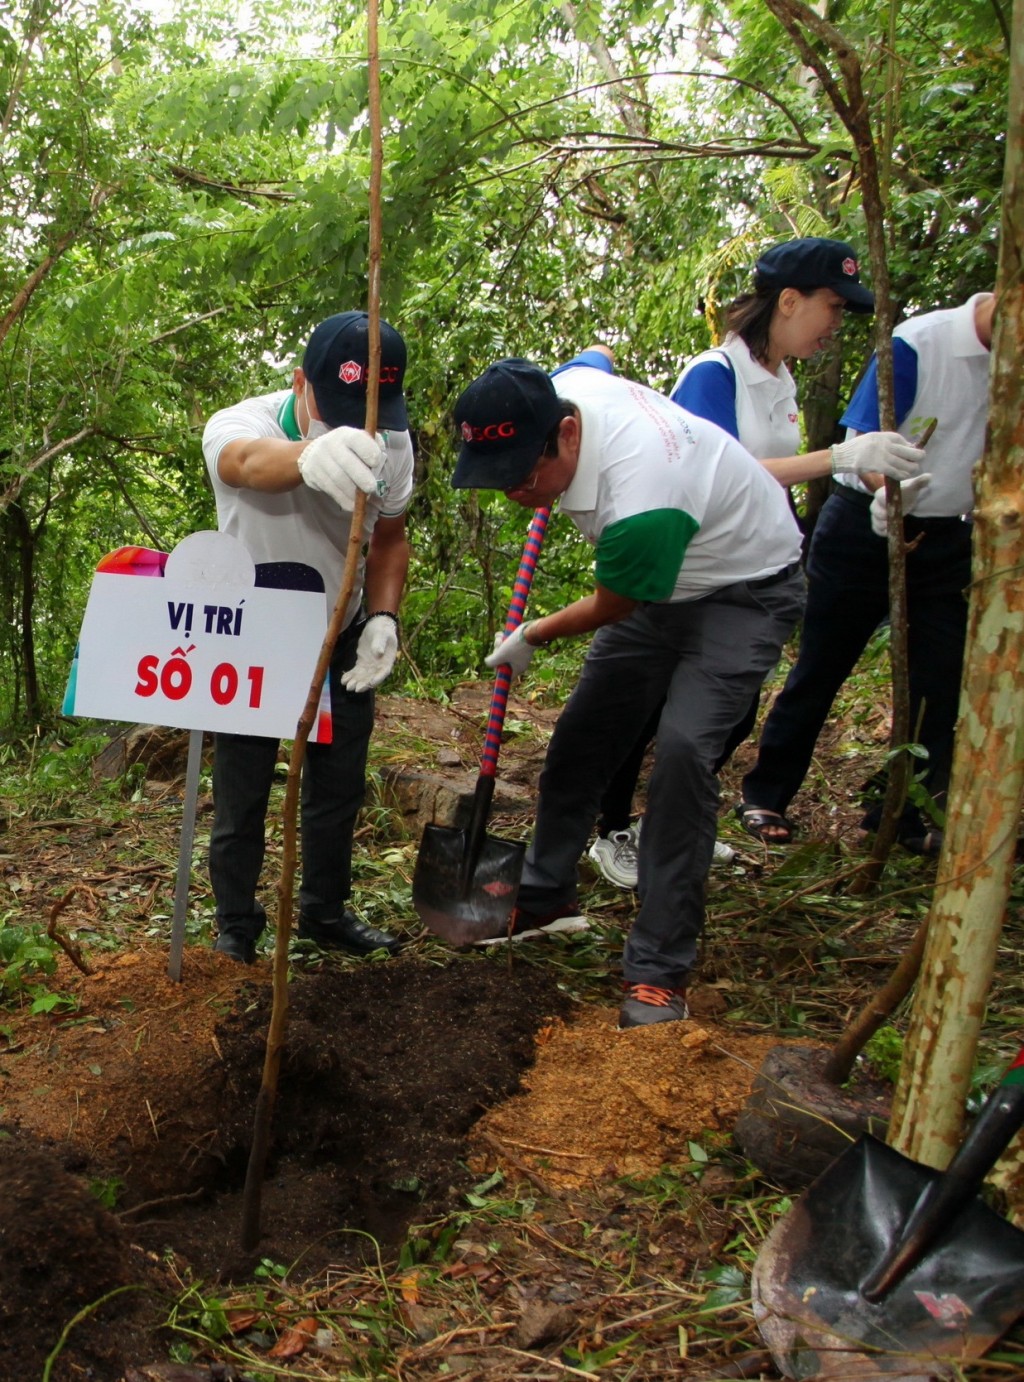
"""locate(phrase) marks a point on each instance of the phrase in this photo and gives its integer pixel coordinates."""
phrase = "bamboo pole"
(277, 1030)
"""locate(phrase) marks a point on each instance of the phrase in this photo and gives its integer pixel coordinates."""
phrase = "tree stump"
(795, 1123)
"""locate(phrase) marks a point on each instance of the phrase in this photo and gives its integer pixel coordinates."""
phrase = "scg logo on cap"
(494, 431)
(352, 372)
(850, 267)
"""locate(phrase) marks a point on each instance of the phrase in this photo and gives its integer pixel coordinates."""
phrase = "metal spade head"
(460, 900)
(962, 1295)
(466, 881)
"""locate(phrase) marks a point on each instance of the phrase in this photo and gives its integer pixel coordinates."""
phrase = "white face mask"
(316, 428)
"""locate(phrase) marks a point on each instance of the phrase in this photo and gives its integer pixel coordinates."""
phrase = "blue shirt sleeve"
(593, 358)
(862, 414)
(709, 390)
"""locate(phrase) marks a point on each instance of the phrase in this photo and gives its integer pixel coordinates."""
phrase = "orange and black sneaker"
(646, 1003)
(526, 925)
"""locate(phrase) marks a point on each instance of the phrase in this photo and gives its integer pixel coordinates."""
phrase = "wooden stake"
(276, 1033)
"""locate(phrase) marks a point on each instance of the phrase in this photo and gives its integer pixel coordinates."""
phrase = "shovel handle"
(953, 1191)
(503, 679)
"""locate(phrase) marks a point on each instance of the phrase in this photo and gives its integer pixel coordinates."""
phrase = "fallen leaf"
(294, 1340)
(241, 1320)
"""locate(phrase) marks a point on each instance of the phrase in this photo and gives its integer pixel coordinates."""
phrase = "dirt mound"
(600, 1103)
(61, 1251)
(149, 1089)
(386, 1068)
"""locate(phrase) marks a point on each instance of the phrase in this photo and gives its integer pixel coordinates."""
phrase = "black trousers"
(847, 598)
(333, 787)
(705, 659)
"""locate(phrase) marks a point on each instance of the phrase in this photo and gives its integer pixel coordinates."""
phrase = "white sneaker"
(615, 855)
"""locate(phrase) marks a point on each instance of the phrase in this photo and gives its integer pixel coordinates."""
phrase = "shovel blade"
(960, 1298)
(461, 909)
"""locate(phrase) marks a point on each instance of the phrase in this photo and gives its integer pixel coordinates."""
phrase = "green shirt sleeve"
(639, 557)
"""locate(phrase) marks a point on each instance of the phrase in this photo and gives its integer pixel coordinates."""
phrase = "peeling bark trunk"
(966, 917)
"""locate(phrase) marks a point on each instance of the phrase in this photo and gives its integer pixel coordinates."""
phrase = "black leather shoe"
(237, 945)
(347, 932)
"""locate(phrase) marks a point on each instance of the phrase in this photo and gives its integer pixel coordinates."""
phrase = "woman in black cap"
(801, 290)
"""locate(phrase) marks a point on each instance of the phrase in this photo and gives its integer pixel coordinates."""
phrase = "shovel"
(465, 881)
(887, 1268)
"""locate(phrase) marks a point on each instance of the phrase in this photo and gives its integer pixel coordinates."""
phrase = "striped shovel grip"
(503, 679)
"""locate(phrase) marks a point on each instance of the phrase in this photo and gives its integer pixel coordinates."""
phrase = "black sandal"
(929, 844)
(755, 820)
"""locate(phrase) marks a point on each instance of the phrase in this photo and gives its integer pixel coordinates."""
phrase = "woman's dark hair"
(750, 316)
(551, 440)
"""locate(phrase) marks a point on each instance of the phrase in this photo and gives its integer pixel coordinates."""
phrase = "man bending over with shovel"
(697, 587)
(286, 468)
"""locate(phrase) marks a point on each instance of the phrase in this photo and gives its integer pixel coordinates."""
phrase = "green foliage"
(43, 776)
(184, 198)
(108, 1192)
(197, 1315)
(884, 1051)
(25, 952)
(729, 1285)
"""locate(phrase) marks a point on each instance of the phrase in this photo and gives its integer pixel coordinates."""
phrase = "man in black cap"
(286, 468)
(697, 586)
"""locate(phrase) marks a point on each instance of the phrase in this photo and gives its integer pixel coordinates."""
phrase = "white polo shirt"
(301, 524)
(675, 507)
(729, 387)
(941, 372)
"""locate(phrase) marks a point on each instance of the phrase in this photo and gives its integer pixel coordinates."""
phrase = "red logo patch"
(493, 431)
(497, 888)
(352, 372)
(949, 1310)
(849, 267)
(792, 417)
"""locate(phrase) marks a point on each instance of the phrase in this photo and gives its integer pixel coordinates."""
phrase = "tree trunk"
(987, 782)
(821, 423)
(813, 36)
(27, 541)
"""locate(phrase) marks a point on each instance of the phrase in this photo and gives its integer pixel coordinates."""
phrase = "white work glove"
(342, 462)
(884, 453)
(910, 492)
(375, 654)
(513, 651)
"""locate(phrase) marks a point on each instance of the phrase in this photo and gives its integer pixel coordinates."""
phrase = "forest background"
(184, 199)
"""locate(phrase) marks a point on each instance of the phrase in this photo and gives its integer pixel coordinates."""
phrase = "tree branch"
(36, 277)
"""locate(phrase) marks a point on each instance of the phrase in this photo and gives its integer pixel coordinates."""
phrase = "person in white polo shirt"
(697, 586)
(941, 367)
(800, 292)
(285, 469)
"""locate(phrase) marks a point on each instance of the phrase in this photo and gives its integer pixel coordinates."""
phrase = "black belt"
(784, 574)
(863, 501)
(853, 496)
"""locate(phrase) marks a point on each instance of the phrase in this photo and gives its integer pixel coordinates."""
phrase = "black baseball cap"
(503, 418)
(815, 263)
(336, 363)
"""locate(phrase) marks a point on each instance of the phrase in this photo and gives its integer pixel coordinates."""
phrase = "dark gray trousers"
(707, 658)
(333, 786)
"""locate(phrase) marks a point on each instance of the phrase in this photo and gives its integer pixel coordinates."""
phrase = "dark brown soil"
(385, 1071)
(402, 1083)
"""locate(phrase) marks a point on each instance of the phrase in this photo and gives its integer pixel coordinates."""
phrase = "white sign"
(202, 648)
